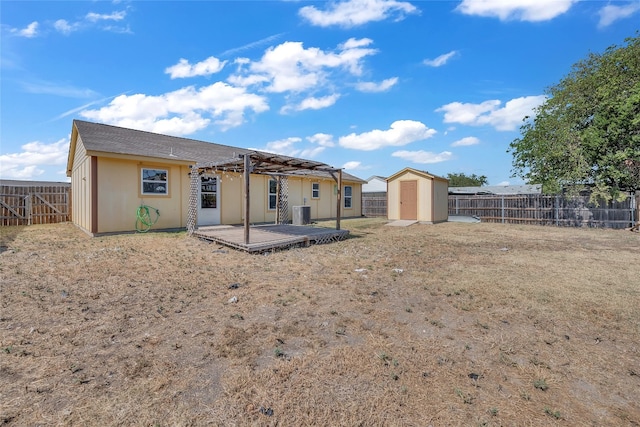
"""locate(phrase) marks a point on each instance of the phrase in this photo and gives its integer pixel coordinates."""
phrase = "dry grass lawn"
(452, 324)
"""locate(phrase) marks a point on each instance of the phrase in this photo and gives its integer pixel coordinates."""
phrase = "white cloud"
(423, 157)
(520, 10)
(464, 142)
(181, 112)
(207, 67)
(401, 132)
(310, 153)
(440, 60)
(352, 13)
(36, 155)
(115, 16)
(283, 146)
(55, 88)
(29, 31)
(322, 139)
(503, 183)
(377, 87)
(289, 67)
(353, 165)
(507, 118)
(62, 26)
(288, 147)
(251, 45)
(611, 13)
(93, 19)
(313, 103)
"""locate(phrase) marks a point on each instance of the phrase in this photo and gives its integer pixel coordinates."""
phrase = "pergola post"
(247, 176)
(192, 213)
(339, 206)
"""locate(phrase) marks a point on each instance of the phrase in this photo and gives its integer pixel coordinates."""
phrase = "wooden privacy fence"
(547, 210)
(374, 204)
(34, 204)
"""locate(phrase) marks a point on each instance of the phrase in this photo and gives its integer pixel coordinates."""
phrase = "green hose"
(144, 221)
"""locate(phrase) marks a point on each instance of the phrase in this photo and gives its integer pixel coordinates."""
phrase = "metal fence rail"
(34, 204)
(529, 209)
(547, 210)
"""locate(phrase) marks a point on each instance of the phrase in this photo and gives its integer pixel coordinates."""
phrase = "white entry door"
(209, 209)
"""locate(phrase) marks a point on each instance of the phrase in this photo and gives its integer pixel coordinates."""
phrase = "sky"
(372, 86)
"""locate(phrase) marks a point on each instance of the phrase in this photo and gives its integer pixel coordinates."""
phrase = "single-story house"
(115, 170)
(417, 195)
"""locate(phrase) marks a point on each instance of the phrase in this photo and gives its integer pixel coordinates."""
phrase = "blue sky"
(373, 86)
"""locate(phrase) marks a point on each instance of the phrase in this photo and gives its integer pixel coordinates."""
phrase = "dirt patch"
(448, 324)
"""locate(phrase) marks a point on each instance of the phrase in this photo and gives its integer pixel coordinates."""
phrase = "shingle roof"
(118, 140)
(103, 138)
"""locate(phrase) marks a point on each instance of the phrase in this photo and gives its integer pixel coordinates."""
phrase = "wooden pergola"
(256, 162)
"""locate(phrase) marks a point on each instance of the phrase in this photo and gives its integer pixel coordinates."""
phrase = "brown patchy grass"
(452, 324)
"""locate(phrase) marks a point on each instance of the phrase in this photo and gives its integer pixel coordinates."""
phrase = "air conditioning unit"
(301, 215)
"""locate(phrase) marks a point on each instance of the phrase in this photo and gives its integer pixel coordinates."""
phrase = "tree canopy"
(587, 132)
(462, 180)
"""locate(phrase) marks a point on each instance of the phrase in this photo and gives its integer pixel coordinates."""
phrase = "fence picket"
(26, 204)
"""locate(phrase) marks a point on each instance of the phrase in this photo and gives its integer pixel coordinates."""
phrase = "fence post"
(457, 206)
(502, 208)
(28, 207)
(636, 215)
(556, 209)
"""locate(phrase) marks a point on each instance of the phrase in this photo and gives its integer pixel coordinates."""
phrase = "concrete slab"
(402, 223)
(462, 218)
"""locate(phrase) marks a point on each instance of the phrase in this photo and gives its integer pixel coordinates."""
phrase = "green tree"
(587, 132)
(462, 180)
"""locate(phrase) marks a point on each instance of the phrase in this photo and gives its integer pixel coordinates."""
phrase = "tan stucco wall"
(232, 198)
(80, 188)
(119, 195)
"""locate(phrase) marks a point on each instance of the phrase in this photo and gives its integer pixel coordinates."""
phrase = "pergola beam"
(271, 164)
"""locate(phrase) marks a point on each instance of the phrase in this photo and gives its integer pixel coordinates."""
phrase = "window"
(273, 194)
(208, 192)
(348, 191)
(154, 181)
(315, 190)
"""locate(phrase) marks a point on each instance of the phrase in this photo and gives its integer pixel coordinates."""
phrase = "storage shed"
(417, 195)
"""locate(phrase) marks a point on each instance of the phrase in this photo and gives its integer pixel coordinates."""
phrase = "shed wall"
(432, 197)
(81, 188)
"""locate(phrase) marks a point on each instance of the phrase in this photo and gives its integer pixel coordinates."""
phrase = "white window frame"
(208, 187)
(272, 196)
(315, 190)
(349, 197)
(165, 181)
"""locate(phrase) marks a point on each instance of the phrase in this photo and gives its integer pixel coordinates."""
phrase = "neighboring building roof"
(497, 190)
(375, 184)
(101, 139)
(425, 174)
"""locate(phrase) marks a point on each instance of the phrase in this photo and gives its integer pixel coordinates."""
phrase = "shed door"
(409, 200)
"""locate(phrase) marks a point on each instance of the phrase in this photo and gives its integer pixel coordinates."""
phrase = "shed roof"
(108, 140)
(424, 174)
